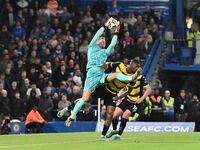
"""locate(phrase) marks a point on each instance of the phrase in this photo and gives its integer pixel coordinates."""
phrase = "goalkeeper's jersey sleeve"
(96, 37)
(96, 55)
(110, 48)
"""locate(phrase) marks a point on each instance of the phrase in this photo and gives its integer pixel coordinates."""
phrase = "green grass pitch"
(90, 141)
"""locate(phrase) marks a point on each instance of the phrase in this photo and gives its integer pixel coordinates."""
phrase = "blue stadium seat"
(186, 56)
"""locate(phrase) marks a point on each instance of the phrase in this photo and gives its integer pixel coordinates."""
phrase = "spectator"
(87, 18)
(31, 19)
(1, 87)
(19, 70)
(70, 69)
(144, 43)
(4, 36)
(156, 100)
(64, 103)
(139, 27)
(34, 121)
(168, 106)
(55, 99)
(20, 49)
(158, 19)
(86, 114)
(194, 111)
(150, 24)
(127, 45)
(13, 89)
(10, 16)
(154, 32)
(131, 19)
(4, 103)
(32, 58)
(46, 75)
(65, 15)
(46, 106)
(9, 76)
(63, 88)
(5, 127)
(31, 100)
(34, 89)
(149, 12)
(59, 75)
(193, 108)
(77, 78)
(59, 52)
(52, 6)
(84, 47)
(114, 10)
(76, 93)
(43, 17)
(181, 106)
(50, 88)
(49, 68)
(18, 31)
(47, 55)
(24, 87)
(17, 107)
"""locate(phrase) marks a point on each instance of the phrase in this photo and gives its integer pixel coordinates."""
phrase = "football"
(112, 23)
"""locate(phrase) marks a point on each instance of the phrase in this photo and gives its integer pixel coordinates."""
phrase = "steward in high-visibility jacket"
(148, 106)
(192, 34)
(168, 104)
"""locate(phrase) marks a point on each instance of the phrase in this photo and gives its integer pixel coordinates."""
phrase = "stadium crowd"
(43, 52)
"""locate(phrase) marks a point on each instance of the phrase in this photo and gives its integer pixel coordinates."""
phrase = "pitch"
(90, 141)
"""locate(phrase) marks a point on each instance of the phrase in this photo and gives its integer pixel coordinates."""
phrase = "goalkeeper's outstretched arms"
(99, 33)
(97, 36)
(110, 48)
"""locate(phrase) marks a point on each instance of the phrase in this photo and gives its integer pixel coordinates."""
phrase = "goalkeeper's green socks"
(78, 106)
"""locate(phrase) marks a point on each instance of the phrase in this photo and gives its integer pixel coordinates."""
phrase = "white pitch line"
(57, 143)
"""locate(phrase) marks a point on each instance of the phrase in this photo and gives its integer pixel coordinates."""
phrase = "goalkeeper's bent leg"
(123, 77)
(78, 106)
(85, 98)
(118, 76)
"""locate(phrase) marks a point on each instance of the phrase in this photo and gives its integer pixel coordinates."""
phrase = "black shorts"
(125, 104)
(103, 93)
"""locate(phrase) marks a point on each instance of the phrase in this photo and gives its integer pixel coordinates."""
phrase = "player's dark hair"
(135, 61)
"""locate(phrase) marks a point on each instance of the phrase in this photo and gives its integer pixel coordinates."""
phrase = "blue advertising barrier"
(59, 127)
(17, 127)
(155, 127)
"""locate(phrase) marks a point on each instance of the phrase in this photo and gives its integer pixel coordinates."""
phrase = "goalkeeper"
(97, 56)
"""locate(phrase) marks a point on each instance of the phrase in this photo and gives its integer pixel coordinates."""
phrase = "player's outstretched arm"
(110, 48)
(97, 36)
(145, 94)
(122, 93)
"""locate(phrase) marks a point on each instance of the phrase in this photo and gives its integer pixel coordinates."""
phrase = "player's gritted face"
(133, 67)
(101, 42)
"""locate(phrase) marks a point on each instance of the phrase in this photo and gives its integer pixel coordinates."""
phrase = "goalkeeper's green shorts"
(95, 77)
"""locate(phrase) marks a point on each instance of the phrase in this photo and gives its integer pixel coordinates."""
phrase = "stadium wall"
(59, 127)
